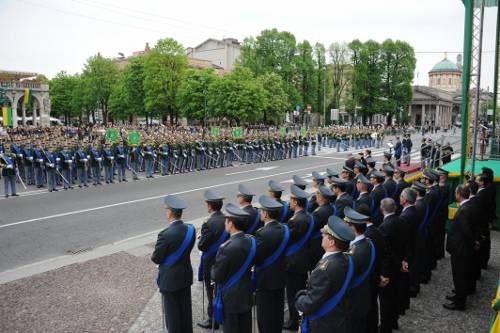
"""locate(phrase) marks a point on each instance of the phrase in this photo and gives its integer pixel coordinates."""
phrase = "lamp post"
(14, 109)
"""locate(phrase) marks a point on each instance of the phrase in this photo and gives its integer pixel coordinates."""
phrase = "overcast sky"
(47, 36)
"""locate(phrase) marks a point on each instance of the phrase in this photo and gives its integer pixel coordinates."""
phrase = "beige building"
(223, 53)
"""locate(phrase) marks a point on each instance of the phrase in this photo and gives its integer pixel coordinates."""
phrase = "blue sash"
(359, 279)
(210, 252)
(174, 256)
(331, 303)
(218, 307)
(284, 212)
(273, 257)
(7, 159)
(66, 156)
(255, 223)
(298, 244)
(27, 153)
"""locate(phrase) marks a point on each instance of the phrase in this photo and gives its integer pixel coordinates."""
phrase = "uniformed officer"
(343, 198)
(317, 180)
(231, 273)
(270, 264)
(363, 185)
(7, 162)
(275, 191)
(253, 222)
(329, 281)
(301, 226)
(421, 271)
(175, 273)
(324, 198)
(376, 195)
(390, 186)
(213, 234)
(363, 254)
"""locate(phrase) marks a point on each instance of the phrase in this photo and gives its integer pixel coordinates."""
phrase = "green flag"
(303, 131)
(215, 131)
(112, 134)
(237, 132)
(134, 137)
(283, 130)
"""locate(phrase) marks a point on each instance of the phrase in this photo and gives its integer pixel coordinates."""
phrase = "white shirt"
(357, 239)
(407, 207)
(388, 215)
(461, 204)
(329, 254)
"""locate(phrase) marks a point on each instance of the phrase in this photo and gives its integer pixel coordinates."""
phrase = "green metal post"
(469, 11)
(495, 84)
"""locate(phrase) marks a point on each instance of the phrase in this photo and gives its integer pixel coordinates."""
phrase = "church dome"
(445, 66)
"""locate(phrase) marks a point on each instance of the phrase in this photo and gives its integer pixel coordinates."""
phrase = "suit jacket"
(344, 200)
(229, 259)
(324, 282)
(433, 197)
(485, 203)
(411, 218)
(252, 211)
(363, 198)
(460, 240)
(396, 238)
(321, 215)
(376, 195)
(211, 230)
(360, 252)
(299, 261)
(268, 239)
(383, 259)
(178, 275)
(390, 187)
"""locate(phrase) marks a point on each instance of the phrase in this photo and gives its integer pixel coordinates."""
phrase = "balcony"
(35, 86)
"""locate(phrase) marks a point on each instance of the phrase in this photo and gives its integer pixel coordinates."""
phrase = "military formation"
(346, 255)
(68, 158)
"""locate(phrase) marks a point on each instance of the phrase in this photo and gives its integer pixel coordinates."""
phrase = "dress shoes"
(208, 324)
(454, 306)
(291, 326)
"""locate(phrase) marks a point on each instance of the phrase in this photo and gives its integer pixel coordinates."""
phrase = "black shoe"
(80, 186)
(6, 195)
(291, 326)
(124, 180)
(55, 190)
(208, 324)
(86, 185)
(15, 195)
(454, 306)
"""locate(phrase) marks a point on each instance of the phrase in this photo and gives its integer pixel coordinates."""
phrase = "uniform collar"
(327, 254)
(357, 239)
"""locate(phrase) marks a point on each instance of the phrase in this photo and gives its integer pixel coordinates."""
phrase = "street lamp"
(14, 109)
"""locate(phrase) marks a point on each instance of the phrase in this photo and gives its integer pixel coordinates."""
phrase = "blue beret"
(231, 210)
(174, 202)
(212, 196)
(353, 216)
(274, 186)
(338, 229)
(325, 191)
(316, 175)
(299, 181)
(298, 193)
(243, 190)
(268, 203)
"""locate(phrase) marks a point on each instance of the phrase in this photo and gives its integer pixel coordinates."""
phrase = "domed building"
(446, 75)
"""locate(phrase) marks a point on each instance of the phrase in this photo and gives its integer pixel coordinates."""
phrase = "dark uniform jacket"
(344, 200)
(390, 187)
(268, 239)
(363, 198)
(230, 257)
(324, 282)
(383, 258)
(321, 215)
(376, 195)
(411, 219)
(360, 252)
(393, 230)
(460, 240)
(252, 212)
(299, 261)
(178, 275)
(210, 233)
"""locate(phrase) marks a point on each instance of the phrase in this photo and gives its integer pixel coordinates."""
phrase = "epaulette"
(322, 264)
(351, 250)
(226, 243)
(260, 229)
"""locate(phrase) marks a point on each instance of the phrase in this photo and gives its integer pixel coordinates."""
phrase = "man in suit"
(297, 261)
(327, 280)
(442, 212)
(370, 164)
(347, 174)
(433, 198)
(175, 273)
(398, 149)
(460, 244)
(362, 185)
(376, 196)
(401, 184)
(270, 274)
(396, 238)
(411, 218)
(231, 257)
(324, 197)
(486, 195)
(389, 183)
(253, 222)
(421, 272)
(479, 212)
(363, 254)
(212, 236)
(343, 198)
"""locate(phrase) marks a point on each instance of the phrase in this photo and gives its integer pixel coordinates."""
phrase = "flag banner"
(27, 96)
(112, 134)
(303, 131)
(237, 132)
(215, 131)
(282, 130)
(134, 137)
(6, 116)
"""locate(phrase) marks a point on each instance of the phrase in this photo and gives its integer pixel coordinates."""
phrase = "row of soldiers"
(63, 160)
(364, 238)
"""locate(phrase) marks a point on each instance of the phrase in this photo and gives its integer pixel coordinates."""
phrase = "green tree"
(339, 70)
(398, 65)
(82, 100)
(276, 98)
(164, 67)
(306, 83)
(119, 103)
(101, 75)
(192, 94)
(61, 88)
(321, 79)
(237, 97)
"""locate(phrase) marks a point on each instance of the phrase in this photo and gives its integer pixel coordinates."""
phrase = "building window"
(439, 81)
(449, 81)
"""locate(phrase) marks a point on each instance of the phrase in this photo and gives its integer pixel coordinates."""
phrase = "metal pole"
(205, 116)
(496, 81)
(478, 91)
(469, 8)
(324, 99)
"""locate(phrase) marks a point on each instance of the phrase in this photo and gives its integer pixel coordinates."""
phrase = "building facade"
(223, 53)
(15, 85)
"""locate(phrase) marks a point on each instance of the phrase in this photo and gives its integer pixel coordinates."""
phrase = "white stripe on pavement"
(75, 212)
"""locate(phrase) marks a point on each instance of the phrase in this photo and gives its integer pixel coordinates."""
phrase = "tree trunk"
(93, 116)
